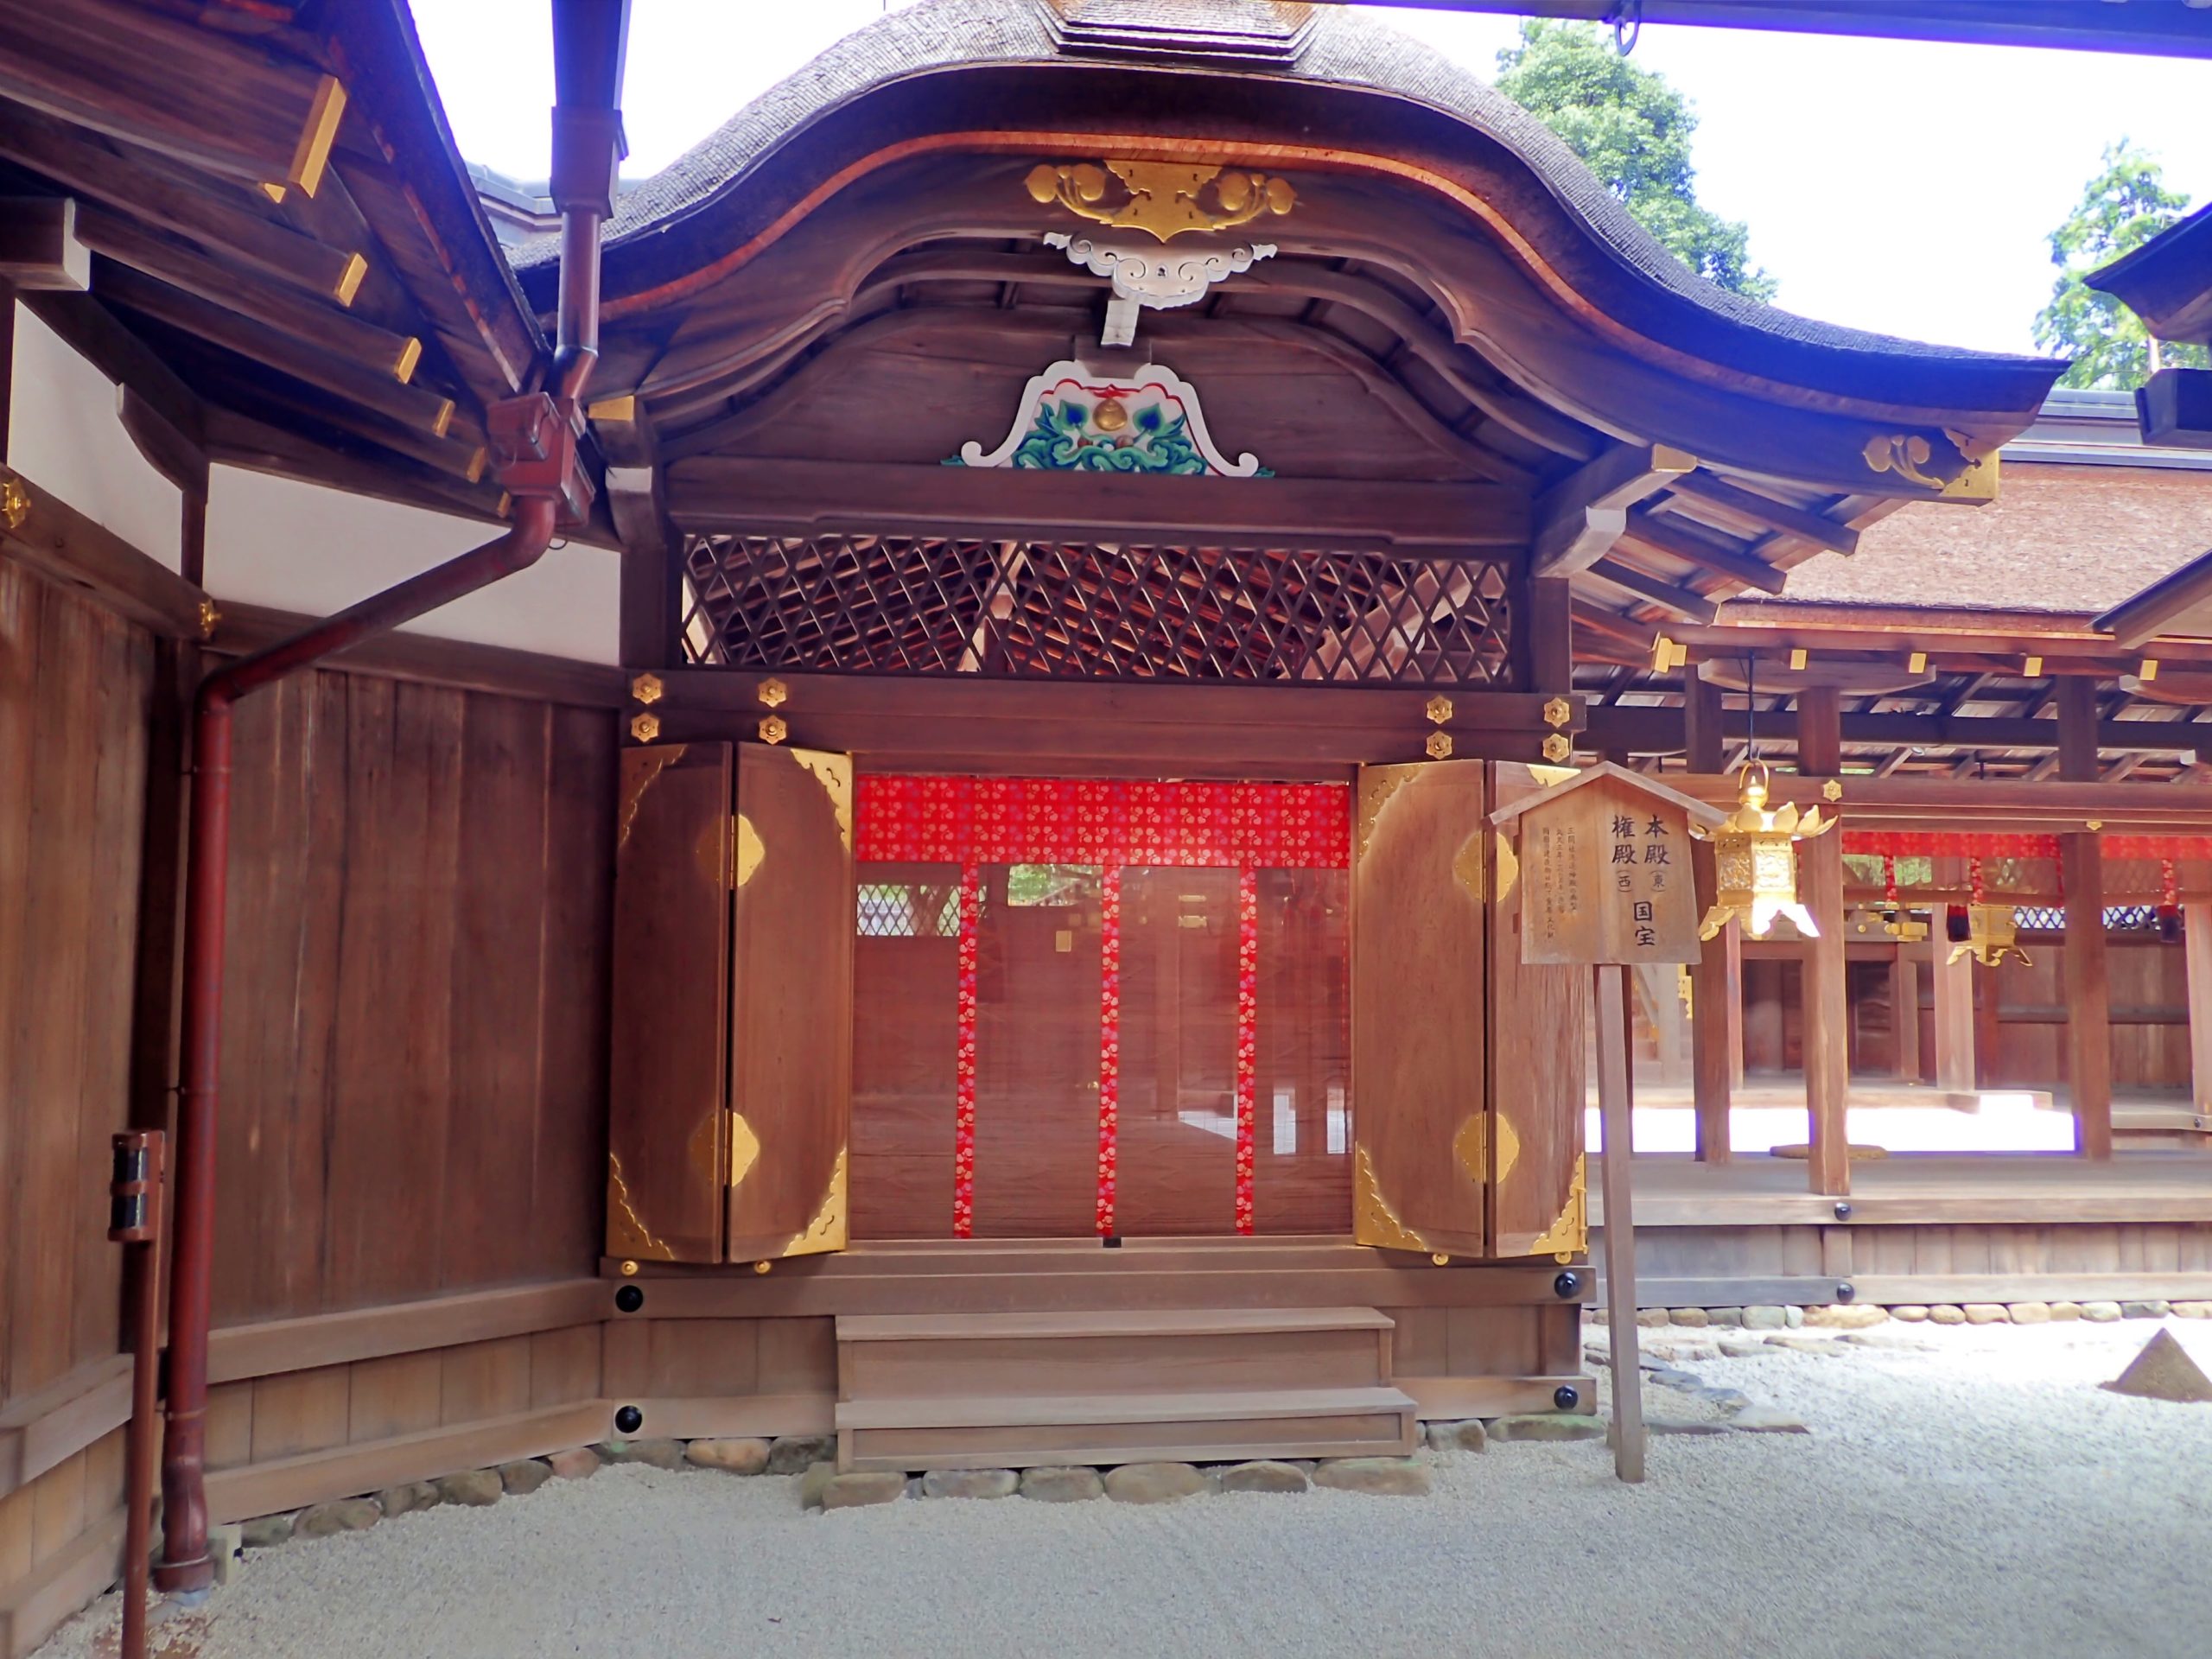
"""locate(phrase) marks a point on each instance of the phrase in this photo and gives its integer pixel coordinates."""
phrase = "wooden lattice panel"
(927, 605)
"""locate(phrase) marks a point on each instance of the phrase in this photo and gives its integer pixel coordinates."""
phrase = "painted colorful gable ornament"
(1075, 418)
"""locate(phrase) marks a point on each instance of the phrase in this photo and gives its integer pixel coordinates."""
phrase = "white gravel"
(1984, 1498)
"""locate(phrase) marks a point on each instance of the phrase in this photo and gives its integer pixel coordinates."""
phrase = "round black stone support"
(1566, 1396)
(629, 1420)
(1844, 1291)
(630, 1297)
(1566, 1284)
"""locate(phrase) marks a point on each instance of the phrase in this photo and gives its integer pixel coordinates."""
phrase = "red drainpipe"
(535, 437)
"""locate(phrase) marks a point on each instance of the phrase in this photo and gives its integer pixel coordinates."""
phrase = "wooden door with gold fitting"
(1536, 1013)
(1421, 1129)
(668, 1122)
(790, 1073)
(730, 1095)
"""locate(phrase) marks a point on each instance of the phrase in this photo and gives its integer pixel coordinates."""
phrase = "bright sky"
(1889, 185)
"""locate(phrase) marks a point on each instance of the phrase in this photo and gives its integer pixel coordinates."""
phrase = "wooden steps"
(1014, 1391)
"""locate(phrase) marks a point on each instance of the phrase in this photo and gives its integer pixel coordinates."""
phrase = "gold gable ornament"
(1755, 860)
(1163, 199)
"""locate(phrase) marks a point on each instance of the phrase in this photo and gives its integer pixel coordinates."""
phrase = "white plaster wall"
(65, 437)
(302, 547)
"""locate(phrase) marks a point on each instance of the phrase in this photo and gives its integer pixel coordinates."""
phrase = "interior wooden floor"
(1922, 1227)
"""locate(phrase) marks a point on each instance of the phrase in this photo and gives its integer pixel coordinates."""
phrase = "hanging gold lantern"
(1992, 933)
(1755, 861)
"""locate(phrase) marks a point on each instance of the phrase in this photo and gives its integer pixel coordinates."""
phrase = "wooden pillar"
(2088, 997)
(1550, 636)
(1615, 1116)
(1826, 1001)
(2197, 940)
(1905, 1015)
(1954, 986)
(1717, 977)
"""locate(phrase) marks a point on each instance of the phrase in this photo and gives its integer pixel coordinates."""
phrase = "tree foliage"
(2122, 208)
(1633, 130)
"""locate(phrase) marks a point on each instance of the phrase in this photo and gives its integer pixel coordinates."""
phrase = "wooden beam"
(177, 454)
(422, 407)
(1763, 512)
(1677, 538)
(145, 262)
(1716, 978)
(1684, 602)
(56, 540)
(1661, 731)
(41, 250)
(1827, 995)
(1580, 518)
(802, 497)
(216, 98)
(144, 188)
(95, 334)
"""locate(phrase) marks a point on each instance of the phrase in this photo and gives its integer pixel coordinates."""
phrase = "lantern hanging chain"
(1750, 711)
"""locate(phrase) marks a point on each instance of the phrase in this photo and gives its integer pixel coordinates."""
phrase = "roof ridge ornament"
(1162, 199)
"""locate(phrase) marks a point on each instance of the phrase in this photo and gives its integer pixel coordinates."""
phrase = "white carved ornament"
(1152, 276)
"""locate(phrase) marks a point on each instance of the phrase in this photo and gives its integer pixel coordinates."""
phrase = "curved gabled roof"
(1623, 269)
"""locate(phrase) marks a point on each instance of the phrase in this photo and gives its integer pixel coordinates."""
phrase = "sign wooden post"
(1606, 868)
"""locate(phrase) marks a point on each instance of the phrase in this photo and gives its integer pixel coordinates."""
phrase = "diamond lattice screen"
(926, 605)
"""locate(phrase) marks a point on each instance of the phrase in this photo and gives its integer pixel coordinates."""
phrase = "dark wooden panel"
(667, 1133)
(1535, 1069)
(1417, 1035)
(791, 1003)
(414, 1067)
(75, 689)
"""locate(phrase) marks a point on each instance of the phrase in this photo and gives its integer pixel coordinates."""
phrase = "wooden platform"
(1923, 1228)
(1017, 1390)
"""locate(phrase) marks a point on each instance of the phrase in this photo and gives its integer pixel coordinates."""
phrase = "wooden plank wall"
(75, 685)
(75, 688)
(414, 1060)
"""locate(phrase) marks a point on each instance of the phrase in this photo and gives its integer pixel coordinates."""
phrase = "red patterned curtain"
(1111, 823)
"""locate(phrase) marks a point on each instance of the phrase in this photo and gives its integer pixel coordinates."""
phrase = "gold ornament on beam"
(1993, 934)
(1755, 859)
(1163, 198)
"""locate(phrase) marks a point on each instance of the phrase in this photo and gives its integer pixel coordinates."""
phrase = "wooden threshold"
(1211, 1321)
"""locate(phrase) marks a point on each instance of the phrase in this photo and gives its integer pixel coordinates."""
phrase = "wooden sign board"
(1605, 870)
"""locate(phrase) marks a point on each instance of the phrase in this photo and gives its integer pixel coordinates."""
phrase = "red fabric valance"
(1907, 843)
(913, 820)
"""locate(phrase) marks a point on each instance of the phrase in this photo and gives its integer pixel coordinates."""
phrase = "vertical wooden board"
(50, 1034)
(1536, 1059)
(393, 1079)
(701, 1358)
(18, 1524)
(625, 1357)
(57, 1509)
(105, 1462)
(1421, 1133)
(1420, 1341)
(499, 942)
(302, 1411)
(798, 1356)
(230, 1424)
(564, 1366)
(791, 1004)
(20, 598)
(123, 666)
(568, 1221)
(483, 1379)
(667, 1157)
(1492, 1342)
(398, 1394)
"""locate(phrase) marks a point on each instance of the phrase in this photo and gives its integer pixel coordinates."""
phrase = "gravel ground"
(1981, 1497)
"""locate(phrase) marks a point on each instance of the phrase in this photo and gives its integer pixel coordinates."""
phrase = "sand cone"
(2162, 1370)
